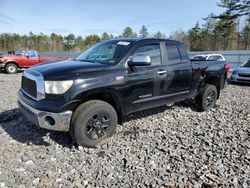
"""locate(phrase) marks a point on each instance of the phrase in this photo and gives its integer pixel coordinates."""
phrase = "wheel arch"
(108, 96)
(214, 80)
(13, 62)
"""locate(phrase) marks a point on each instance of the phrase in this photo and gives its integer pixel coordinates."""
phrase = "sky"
(84, 17)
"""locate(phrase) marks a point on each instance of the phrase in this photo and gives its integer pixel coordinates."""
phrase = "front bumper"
(44, 119)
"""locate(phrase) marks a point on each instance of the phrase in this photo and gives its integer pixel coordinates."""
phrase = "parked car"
(242, 73)
(214, 57)
(23, 59)
(89, 95)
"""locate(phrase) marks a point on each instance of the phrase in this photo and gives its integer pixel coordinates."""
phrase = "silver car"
(242, 73)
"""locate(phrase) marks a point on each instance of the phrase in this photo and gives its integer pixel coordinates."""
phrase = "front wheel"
(93, 123)
(206, 100)
(11, 68)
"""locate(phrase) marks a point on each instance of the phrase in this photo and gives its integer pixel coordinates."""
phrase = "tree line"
(56, 42)
(229, 30)
(218, 32)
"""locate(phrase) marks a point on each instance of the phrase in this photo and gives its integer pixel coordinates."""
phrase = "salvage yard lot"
(174, 145)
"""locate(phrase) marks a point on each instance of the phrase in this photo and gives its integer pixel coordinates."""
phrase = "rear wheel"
(224, 81)
(207, 98)
(11, 68)
(93, 123)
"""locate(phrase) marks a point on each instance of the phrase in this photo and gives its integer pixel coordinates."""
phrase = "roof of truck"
(144, 39)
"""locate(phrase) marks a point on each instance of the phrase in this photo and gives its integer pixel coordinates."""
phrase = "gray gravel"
(171, 146)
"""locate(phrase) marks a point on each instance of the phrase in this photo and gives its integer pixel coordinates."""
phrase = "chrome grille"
(244, 74)
(29, 86)
(33, 85)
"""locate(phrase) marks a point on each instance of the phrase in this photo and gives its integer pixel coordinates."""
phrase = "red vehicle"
(23, 59)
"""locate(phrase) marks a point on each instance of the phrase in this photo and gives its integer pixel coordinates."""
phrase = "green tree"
(79, 43)
(57, 42)
(209, 33)
(69, 41)
(158, 35)
(91, 39)
(143, 32)
(246, 35)
(228, 21)
(105, 36)
(42, 42)
(195, 38)
(128, 32)
(234, 8)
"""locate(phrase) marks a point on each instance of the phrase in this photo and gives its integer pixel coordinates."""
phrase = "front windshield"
(108, 52)
(246, 64)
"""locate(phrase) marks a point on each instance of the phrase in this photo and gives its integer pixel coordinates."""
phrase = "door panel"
(179, 71)
(23, 61)
(33, 58)
(33, 61)
(140, 85)
(141, 81)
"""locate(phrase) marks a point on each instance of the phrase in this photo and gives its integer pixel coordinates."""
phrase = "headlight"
(234, 72)
(57, 87)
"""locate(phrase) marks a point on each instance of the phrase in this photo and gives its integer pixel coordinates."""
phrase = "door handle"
(160, 72)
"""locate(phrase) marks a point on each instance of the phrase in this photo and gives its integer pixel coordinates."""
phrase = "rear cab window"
(173, 53)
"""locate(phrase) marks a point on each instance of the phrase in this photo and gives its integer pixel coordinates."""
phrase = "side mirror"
(139, 60)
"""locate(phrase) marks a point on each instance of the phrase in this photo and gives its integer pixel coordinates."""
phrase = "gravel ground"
(171, 146)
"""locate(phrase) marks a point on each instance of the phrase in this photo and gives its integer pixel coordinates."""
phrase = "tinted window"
(199, 57)
(215, 57)
(219, 57)
(150, 50)
(246, 64)
(212, 58)
(183, 52)
(31, 53)
(173, 53)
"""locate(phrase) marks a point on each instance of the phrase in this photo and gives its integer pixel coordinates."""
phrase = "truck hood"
(60, 70)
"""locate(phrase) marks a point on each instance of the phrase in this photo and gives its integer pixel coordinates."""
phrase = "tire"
(207, 98)
(93, 123)
(11, 68)
(224, 82)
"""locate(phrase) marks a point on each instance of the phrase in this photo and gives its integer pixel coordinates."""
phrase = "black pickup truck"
(89, 95)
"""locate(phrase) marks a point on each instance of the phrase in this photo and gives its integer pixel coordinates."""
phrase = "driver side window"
(153, 51)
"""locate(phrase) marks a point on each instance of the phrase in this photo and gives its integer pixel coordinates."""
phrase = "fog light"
(50, 120)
